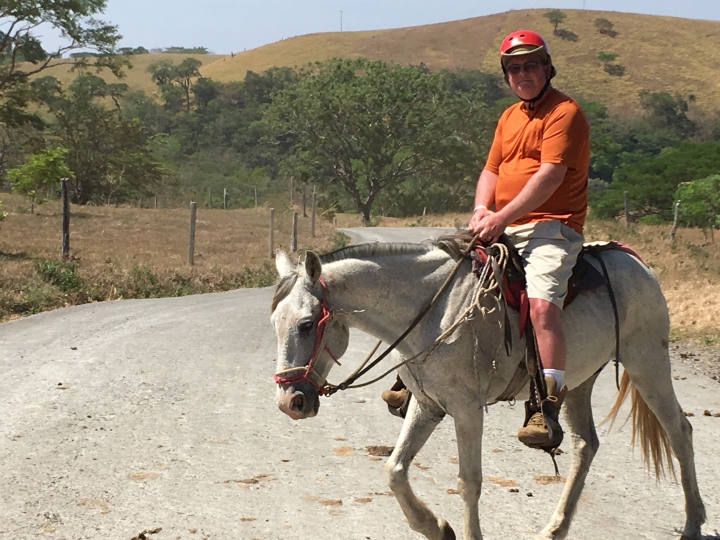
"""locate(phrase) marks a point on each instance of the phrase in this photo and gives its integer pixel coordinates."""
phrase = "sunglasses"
(527, 67)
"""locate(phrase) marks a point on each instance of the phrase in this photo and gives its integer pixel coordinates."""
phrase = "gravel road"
(122, 418)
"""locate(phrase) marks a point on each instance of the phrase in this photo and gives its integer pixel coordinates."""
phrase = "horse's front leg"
(419, 424)
(469, 430)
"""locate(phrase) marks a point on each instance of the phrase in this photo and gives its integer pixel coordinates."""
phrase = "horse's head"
(309, 336)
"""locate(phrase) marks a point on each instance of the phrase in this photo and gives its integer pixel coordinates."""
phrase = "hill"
(659, 53)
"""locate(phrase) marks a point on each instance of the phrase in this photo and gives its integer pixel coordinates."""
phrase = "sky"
(225, 26)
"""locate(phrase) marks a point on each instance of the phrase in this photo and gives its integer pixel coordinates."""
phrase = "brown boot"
(397, 398)
(542, 429)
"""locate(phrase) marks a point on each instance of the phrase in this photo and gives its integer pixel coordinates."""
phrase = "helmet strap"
(530, 103)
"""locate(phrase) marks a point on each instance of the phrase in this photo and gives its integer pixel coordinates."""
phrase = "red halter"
(306, 371)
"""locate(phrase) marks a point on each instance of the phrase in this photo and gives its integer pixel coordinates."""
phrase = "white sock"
(557, 374)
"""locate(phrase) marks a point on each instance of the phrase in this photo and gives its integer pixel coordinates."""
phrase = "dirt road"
(130, 416)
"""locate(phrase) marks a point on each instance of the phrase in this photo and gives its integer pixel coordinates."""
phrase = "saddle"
(584, 277)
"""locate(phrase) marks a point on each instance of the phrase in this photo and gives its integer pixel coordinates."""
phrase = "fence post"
(293, 234)
(272, 233)
(225, 199)
(155, 202)
(292, 187)
(191, 248)
(209, 204)
(65, 219)
(255, 196)
(675, 223)
(304, 199)
(627, 213)
(312, 219)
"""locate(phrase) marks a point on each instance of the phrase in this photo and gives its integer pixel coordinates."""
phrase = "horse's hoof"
(448, 533)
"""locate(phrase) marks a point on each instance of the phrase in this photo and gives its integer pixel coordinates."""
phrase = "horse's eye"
(305, 326)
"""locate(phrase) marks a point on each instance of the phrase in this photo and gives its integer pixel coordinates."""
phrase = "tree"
(363, 128)
(668, 112)
(700, 202)
(605, 27)
(556, 17)
(651, 182)
(23, 55)
(108, 154)
(175, 82)
(42, 171)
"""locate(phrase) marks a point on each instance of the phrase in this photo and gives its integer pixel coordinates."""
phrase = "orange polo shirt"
(557, 131)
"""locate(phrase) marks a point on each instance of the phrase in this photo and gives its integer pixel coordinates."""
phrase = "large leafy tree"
(108, 154)
(23, 54)
(363, 129)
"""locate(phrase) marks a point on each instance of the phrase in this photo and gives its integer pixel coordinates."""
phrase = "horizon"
(216, 28)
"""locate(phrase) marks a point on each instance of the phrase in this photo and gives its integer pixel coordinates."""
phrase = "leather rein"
(324, 388)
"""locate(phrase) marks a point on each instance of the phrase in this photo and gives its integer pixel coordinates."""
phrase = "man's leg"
(545, 318)
(549, 250)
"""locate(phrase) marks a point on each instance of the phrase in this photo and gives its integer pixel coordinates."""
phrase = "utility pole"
(341, 20)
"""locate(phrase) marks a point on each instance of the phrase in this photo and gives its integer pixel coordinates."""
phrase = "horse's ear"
(313, 266)
(283, 263)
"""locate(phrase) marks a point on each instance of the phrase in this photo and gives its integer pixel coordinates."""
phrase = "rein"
(324, 388)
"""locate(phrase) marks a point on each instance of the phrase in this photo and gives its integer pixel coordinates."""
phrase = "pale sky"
(234, 25)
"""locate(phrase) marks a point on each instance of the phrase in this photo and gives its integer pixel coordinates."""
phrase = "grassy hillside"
(659, 53)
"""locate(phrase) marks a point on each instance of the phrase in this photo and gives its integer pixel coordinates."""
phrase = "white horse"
(380, 288)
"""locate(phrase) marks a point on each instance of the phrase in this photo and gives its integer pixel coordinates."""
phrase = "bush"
(616, 70)
(567, 35)
(60, 274)
(653, 219)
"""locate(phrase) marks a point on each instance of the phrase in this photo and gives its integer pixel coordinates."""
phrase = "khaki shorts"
(549, 250)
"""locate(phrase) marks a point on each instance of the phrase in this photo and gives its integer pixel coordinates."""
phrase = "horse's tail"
(645, 427)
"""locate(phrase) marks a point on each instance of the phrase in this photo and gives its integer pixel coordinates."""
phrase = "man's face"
(527, 74)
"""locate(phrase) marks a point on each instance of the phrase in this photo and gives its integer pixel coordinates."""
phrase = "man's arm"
(484, 197)
(539, 188)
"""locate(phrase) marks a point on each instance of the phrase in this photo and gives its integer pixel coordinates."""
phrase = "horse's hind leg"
(420, 422)
(585, 443)
(653, 381)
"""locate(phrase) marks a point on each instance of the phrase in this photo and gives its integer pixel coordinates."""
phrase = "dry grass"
(659, 53)
(119, 250)
(129, 252)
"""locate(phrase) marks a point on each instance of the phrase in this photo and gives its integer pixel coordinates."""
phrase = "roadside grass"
(128, 252)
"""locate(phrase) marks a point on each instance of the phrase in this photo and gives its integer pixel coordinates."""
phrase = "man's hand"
(477, 217)
(489, 227)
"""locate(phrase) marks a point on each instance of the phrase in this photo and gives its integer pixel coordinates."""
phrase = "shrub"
(60, 274)
(616, 70)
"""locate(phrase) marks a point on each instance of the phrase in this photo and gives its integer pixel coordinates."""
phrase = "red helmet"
(522, 42)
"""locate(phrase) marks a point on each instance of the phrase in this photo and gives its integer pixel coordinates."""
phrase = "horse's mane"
(454, 245)
(375, 249)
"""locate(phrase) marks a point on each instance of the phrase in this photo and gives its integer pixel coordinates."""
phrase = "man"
(536, 177)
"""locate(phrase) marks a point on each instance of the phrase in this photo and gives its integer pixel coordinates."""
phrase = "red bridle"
(283, 377)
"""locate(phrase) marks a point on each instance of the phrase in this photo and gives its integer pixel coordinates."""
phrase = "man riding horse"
(535, 178)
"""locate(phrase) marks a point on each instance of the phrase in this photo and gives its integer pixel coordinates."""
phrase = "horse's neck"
(383, 296)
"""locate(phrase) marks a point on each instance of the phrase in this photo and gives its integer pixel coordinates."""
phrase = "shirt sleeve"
(565, 135)
(495, 156)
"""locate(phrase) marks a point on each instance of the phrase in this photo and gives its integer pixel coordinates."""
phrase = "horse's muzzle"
(298, 403)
